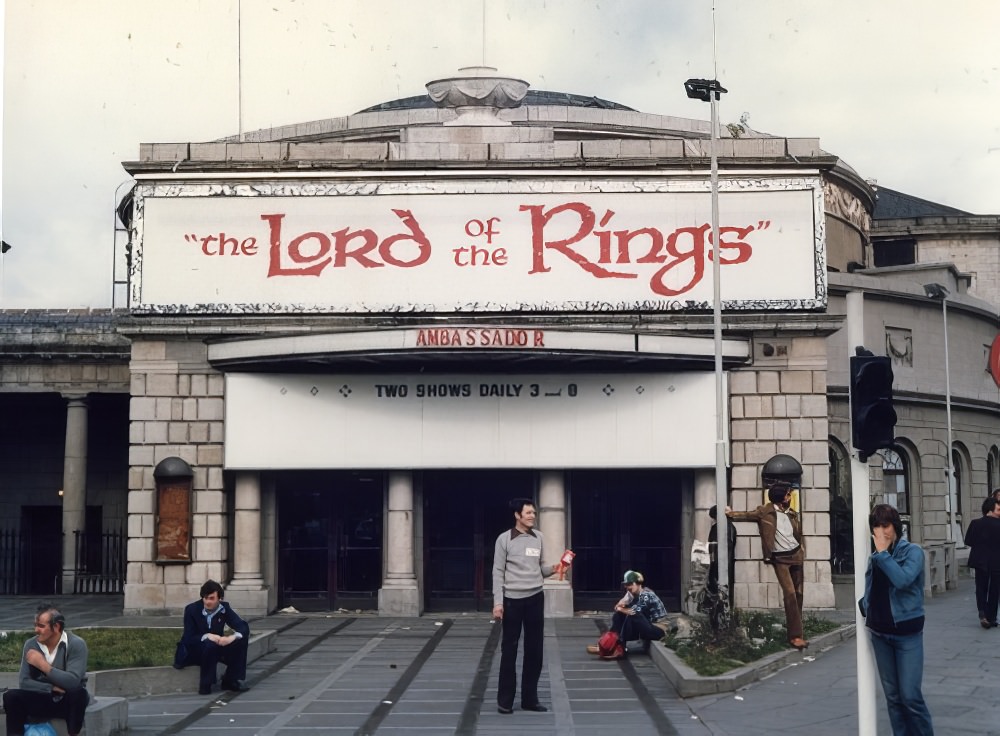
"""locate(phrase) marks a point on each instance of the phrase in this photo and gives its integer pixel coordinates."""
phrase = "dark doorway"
(625, 520)
(464, 512)
(41, 532)
(330, 539)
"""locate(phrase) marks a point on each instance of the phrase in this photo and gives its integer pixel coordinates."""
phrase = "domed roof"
(535, 97)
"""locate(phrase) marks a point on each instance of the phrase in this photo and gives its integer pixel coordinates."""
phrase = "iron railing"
(100, 562)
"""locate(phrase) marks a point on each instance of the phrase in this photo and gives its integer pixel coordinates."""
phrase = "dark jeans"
(900, 661)
(631, 628)
(529, 614)
(788, 570)
(20, 705)
(987, 593)
(208, 655)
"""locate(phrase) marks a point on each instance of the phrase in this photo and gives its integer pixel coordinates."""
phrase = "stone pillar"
(399, 594)
(704, 499)
(246, 591)
(74, 490)
(552, 523)
(697, 574)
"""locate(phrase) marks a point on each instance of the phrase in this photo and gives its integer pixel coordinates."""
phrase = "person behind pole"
(519, 604)
(713, 555)
(780, 530)
(639, 616)
(53, 676)
(983, 539)
(205, 643)
(893, 607)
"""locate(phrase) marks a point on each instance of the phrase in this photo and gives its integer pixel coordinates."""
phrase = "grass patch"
(750, 636)
(109, 649)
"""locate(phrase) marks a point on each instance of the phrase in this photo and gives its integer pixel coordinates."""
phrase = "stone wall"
(782, 411)
(176, 411)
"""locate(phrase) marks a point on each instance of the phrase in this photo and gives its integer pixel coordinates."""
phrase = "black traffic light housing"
(872, 415)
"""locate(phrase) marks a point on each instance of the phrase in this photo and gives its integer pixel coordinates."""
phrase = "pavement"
(365, 674)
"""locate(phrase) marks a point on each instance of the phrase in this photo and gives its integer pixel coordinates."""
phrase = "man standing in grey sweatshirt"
(518, 602)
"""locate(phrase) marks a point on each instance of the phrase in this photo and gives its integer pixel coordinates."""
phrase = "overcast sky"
(906, 92)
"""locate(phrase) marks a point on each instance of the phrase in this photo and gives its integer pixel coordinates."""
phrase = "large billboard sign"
(550, 243)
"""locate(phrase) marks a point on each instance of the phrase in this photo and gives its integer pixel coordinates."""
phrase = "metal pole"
(860, 503)
(949, 463)
(721, 497)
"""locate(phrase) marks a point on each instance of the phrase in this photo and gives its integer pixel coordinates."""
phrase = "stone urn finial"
(478, 95)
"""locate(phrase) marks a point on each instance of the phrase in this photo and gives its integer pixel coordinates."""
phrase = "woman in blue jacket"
(893, 608)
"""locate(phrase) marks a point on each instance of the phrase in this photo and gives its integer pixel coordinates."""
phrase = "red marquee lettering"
(391, 250)
(540, 218)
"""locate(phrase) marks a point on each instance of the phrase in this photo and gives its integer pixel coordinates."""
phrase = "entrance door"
(41, 561)
(330, 532)
(625, 520)
(464, 512)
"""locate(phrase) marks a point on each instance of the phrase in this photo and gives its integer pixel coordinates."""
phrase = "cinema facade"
(350, 342)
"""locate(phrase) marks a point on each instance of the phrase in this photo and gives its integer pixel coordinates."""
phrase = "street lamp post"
(709, 90)
(938, 291)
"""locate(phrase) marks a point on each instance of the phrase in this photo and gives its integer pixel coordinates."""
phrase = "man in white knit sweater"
(518, 602)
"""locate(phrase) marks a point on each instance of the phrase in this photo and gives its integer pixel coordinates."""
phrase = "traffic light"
(872, 415)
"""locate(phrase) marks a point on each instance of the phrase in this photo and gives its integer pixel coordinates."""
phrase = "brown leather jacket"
(766, 517)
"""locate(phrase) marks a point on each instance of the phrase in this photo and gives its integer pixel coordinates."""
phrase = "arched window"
(992, 469)
(956, 467)
(896, 485)
(841, 520)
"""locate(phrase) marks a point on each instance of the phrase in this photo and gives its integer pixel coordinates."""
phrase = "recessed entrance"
(330, 539)
(625, 520)
(464, 512)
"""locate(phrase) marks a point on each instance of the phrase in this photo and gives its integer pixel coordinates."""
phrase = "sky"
(905, 92)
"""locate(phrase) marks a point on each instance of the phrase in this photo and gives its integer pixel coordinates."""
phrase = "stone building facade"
(293, 500)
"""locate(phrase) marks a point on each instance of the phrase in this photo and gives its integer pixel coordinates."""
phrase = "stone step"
(136, 682)
(105, 717)
(142, 681)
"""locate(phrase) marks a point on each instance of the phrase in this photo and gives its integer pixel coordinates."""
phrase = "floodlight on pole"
(939, 291)
(709, 90)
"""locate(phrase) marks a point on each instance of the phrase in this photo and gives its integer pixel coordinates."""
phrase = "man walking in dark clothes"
(205, 642)
(519, 603)
(983, 540)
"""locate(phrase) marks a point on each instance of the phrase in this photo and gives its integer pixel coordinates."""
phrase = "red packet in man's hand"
(565, 561)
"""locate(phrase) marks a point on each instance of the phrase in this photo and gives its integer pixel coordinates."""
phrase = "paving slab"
(357, 674)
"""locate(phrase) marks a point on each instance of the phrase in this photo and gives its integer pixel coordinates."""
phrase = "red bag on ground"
(610, 646)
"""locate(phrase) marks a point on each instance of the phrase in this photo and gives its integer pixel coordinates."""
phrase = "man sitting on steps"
(53, 676)
(639, 615)
(205, 642)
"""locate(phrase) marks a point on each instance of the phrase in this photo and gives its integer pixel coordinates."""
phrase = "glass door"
(464, 512)
(330, 548)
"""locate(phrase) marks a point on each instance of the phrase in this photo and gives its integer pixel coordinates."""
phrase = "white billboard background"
(494, 421)
(272, 246)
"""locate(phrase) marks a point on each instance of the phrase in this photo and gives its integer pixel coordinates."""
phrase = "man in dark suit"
(205, 642)
(983, 540)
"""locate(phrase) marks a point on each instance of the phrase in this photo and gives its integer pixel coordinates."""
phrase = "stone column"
(552, 523)
(399, 594)
(246, 591)
(704, 499)
(74, 490)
